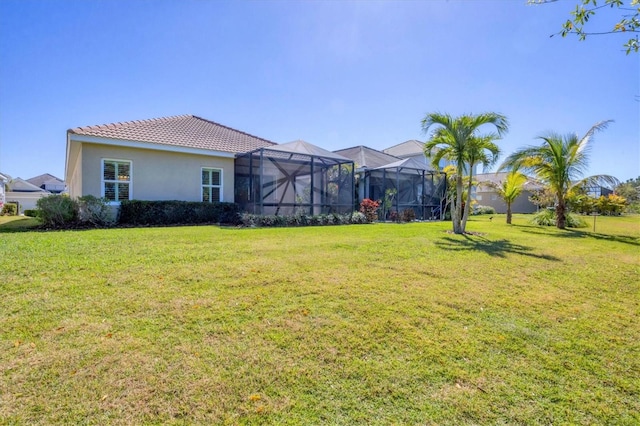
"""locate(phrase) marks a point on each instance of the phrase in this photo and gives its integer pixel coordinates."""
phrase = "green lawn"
(364, 324)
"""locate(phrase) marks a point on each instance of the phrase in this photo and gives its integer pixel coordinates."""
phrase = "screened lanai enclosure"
(405, 184)
(294, 178)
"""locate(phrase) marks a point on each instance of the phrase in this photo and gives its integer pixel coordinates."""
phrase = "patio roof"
(365, 157)
(407, 163)
(306, 148)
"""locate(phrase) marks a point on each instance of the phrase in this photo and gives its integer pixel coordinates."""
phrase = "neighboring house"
(413, 149)
(48, 183)
(3, 182)
(485, 195)
(173, 158)
(409, 149)
(24, 194)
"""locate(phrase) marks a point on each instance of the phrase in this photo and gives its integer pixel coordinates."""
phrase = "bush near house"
(264, 221)
(31, 213)
(95, 211)
(369, 208)
(547, 217)
(408, 215)
(138, 212)
(483, 210)
(9, 209)
(57, 211)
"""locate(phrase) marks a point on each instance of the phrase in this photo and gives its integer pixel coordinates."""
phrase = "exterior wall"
(520, 205)
(73, 174)
(155, 175)
(25, 200)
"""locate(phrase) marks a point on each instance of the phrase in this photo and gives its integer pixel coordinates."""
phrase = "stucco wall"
(155, 175)
(74, 170)
(520, 205)
(25, 200)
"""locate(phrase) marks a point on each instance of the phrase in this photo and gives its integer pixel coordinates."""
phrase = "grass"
(368, 324)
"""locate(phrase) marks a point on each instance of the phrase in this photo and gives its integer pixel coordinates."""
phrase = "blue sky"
(334, 73)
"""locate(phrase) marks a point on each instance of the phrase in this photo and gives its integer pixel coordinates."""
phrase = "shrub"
(95, 211)
(138, 212)
(547, 217)
(483, 210)
(31, 212)
(369, 208)
(9, 209)
(254, 220)
(408, 215)
(57, 211)
(358, 218)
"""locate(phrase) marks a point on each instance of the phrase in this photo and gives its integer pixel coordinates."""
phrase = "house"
(409, 149)
(485, 195)
(414, 149)
(182, 157)
(24, 194)
(3, 182)
(48, 182)
(189, 158)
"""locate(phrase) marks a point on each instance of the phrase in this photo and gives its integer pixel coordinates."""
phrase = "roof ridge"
(402, 143)
(231, 128)
(130, 122)
(367, 147)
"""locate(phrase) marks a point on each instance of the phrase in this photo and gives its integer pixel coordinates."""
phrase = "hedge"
(138, 212)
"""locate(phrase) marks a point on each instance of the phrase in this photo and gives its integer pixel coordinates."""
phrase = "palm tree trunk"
(467, 206)
(509, 213)
(561, 213)
(456, 214)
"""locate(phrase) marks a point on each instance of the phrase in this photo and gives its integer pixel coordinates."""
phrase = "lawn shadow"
(579, 234)
(497, 248)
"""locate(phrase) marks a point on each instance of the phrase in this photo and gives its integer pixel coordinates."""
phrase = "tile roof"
(187, 131)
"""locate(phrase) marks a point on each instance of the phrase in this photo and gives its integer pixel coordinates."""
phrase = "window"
(211, 185)
(116, 180)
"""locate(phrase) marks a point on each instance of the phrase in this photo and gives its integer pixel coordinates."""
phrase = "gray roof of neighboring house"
(306, 148)
(407, 163)
(187, 131)
(21, 185)
(530, 185)
(5, 177)
(44, 179)
(365, 157)
(406, 149)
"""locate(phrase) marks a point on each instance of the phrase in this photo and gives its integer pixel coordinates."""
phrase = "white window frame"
(103, 181)
(220, 187)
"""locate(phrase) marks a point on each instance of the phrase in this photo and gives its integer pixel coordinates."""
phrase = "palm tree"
(560, 163)
(509, 189)
(457, 140)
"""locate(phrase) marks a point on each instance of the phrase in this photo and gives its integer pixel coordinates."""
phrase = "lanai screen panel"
(272, 182)
(408, 188)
